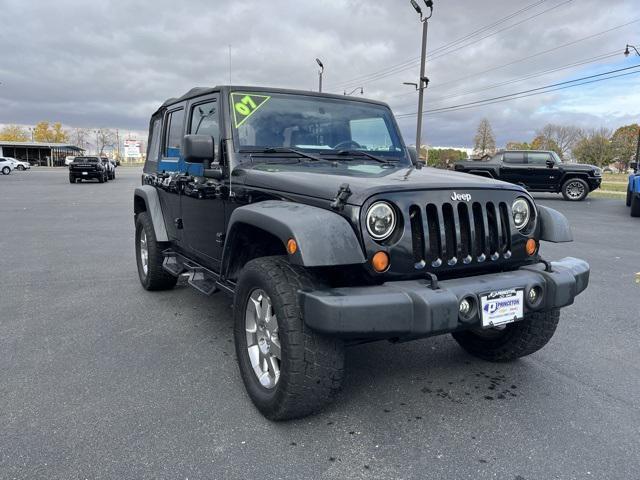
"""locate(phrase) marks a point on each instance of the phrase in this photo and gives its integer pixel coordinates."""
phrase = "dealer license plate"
(502, 306)
(84, 173)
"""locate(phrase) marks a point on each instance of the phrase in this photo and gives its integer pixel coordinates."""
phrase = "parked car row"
(9, 164)
(92, 168)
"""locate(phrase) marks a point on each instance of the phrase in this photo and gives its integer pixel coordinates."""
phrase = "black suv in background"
(307, 210)
(88, 168)
(537, 171)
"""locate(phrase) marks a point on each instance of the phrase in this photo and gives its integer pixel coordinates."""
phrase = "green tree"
(485, 141)
(13, 133)
(445, 157)
(594, 148)
(623, 143)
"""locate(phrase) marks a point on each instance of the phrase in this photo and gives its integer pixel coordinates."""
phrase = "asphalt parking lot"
(101, 379)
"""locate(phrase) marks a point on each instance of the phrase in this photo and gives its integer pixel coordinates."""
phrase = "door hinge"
(344, 192)
(178, 223)
(220, 236)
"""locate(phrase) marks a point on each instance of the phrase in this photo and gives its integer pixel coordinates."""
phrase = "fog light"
(465, 307)
(380, 262)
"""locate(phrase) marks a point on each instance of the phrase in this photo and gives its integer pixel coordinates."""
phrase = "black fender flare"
(324, 238)
(554, 226)
(149, 196)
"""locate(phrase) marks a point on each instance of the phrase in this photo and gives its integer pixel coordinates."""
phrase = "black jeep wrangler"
(308, 210)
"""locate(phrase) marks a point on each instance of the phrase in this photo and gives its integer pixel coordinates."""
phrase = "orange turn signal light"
(531, 246)
(292, 246)
(380, 261)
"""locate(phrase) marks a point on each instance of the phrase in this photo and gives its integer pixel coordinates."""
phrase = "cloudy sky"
(111, 63)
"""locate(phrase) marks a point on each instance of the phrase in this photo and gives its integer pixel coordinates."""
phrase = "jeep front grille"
(459, 234)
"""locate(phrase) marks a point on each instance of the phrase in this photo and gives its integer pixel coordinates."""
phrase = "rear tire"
(152, 275)
(635, 205)
(515, 340)
(6, 170)
(575, 190)
(310, 367)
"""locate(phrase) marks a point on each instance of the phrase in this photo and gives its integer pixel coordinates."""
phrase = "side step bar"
(202, 279)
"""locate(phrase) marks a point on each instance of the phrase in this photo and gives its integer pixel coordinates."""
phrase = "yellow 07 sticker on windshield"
(245, 105)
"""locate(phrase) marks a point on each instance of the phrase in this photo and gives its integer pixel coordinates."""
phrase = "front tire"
(72, 179)
(20, 167)
(149, 257)
(513, 341)
(288, 370)
(628, 197)
(575, 190)
(635, 205)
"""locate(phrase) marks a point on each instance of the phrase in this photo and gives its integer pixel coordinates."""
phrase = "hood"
(322, 180)
(578, 167)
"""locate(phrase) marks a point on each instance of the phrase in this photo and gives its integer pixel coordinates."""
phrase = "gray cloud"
(110, 64)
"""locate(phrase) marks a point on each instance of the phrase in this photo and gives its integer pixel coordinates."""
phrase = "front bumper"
(594, 183)
(412, 309)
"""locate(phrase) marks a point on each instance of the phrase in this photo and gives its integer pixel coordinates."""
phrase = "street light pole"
(320, 74)
(423, 81)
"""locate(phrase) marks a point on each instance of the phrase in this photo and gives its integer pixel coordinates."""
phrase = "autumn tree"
(623, 143)
(545, 143)
(44, 132)
(518, 146)
(13, 133)
(594, 147)
(484, 142)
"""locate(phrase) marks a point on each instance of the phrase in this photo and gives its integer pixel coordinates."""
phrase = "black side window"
(153, 147)
(513, 157)
(173, 139)
(204, 120)
(538, 158)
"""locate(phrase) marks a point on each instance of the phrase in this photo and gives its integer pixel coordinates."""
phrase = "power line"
(523, 94)
(543, 52)
(413, 60)
(519, 79)
(530, 76)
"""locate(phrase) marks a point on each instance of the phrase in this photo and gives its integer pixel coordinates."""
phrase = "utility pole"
(637, 167)
(229, 64)
(320, 74)
(423, 80)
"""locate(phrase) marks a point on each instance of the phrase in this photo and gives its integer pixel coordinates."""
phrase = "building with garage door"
(39, 153)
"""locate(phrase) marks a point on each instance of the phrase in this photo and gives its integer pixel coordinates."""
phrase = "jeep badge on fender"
(305, 208)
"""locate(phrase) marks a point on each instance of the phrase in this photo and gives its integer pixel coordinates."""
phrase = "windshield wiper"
(291, 150)
(355, 153)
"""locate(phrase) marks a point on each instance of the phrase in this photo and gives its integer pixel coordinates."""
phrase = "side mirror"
(634, 166)
(117, 163)
(550, 163)
(199, 149)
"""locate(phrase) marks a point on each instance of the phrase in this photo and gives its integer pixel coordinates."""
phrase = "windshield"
(323, 125)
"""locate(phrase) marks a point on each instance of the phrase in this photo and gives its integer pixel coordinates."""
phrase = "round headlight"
(521, 211)
(381, 220)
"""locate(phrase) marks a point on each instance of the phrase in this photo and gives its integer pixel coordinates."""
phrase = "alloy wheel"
(263, 342)
(144, 252)
(575, 190)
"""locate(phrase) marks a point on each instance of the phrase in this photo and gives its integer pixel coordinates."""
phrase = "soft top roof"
(199, 91)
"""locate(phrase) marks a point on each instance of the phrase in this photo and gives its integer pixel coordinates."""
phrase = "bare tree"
(80, 137)
(484, 142)
(105, 138)
(560, 137)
